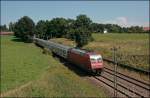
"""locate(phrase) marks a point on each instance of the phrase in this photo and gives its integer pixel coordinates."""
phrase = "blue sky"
(124, 13)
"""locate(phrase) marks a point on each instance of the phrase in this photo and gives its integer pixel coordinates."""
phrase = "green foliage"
(24, 28)
(97, 28)
(3, 28)
(82, 33)
(41, 29)
(148, 31)
(135, 29)
(83, 21)
(11, 26)
(70, 29)
(79, 30)
(114, 28)
(82, 37)
(57, 27)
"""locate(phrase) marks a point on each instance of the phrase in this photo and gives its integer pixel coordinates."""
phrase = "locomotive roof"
(92, 53)
(83, 51)
(79, 50)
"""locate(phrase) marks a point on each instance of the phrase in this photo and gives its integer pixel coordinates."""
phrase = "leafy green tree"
(82, 37)
(3, 28)
(40, 29)
(70, 29)
(57, 27)
(11, 26)
(83, 21)
(24, 29)
(82, 32)
(115, 28)
(94, 27)
(135, 29)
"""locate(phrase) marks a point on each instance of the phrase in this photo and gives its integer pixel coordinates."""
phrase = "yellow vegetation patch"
(64, 41)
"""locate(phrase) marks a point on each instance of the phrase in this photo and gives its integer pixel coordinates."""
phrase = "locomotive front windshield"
(99, 59)
(95, 58)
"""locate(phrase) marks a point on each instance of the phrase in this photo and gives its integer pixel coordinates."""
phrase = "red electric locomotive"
(89, 61)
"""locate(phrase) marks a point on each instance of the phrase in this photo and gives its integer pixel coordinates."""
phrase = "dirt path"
(13, 91)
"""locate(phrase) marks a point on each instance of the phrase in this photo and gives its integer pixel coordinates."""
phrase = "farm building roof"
(6, 33)
(146, 28)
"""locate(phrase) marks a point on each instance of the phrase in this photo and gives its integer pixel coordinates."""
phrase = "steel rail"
(130, 77)
(113, 87)
(129, 80)
(124, 87)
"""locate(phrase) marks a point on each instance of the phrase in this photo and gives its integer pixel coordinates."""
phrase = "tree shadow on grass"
(16, 39)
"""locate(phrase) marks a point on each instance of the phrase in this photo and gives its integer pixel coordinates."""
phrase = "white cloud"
(124, 22)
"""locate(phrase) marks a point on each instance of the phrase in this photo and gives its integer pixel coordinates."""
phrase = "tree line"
(4, 28)
(80, 29)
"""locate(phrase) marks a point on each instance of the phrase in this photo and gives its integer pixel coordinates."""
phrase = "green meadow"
(27, 72)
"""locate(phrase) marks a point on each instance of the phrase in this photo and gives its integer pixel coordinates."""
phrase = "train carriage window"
(57, 50)
(64, 53)
(60, 51)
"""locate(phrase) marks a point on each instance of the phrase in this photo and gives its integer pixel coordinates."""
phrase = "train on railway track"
(87, 60)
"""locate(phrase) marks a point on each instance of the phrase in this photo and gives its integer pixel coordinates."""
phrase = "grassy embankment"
(26, 71)
(133, 47)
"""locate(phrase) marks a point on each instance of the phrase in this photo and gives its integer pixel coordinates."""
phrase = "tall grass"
(133, 49)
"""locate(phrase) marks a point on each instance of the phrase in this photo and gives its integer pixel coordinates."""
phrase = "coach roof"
(60, 45)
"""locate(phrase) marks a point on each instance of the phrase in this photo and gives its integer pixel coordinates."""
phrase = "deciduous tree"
(24, 29)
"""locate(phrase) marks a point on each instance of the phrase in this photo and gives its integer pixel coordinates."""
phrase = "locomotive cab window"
(93, 60)
(99, 59)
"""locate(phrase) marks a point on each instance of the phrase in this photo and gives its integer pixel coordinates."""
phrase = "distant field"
(27, 72)
(133, 48)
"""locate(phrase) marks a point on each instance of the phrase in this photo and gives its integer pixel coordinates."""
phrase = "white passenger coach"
(58, 49)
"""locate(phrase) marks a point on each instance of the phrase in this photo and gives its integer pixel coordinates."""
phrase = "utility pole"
(115, 71)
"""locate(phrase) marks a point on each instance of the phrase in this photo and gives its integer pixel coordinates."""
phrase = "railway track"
(126, 85)
(129, 67)
(132, 80)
